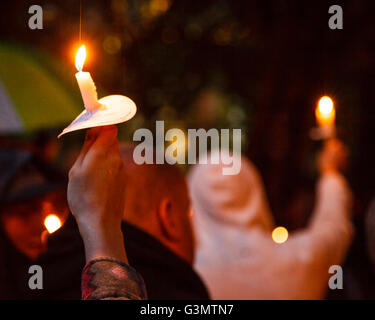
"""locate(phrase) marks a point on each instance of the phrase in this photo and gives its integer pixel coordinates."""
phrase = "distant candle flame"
(325, 111)
(80, 57)
(52, 223)
(280, 235)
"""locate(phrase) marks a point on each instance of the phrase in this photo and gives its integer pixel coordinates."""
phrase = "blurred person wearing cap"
(29, 192)
(95, 195)
(236, 255)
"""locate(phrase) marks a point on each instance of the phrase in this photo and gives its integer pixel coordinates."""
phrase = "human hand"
(96, 193)
(333, 157)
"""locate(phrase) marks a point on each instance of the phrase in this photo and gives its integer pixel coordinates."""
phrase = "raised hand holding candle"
(85, 82)
(109, 110)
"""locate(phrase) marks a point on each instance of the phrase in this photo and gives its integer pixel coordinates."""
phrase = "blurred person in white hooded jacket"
(235, 254)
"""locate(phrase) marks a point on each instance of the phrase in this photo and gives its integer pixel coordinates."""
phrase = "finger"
(106, 137)
(103, 142)
(91, 135)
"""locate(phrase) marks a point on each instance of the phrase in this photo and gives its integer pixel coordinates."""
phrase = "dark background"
(255, 64)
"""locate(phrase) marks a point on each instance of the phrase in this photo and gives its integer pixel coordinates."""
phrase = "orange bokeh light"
(52, 223)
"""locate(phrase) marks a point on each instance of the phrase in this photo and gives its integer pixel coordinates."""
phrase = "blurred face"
(23, 223)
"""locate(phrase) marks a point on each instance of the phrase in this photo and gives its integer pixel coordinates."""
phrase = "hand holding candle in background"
(334, 154)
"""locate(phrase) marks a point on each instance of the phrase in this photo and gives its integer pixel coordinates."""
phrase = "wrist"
(91, 225)
(101, 241)
(109, 245)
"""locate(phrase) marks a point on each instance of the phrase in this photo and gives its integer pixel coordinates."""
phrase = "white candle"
(85, 82)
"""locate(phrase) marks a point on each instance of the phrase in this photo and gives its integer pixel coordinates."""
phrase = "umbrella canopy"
(31, 96)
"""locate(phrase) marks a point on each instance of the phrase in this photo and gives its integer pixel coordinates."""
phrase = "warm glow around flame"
(52, 223)
(80, 57)
(279, 235)
(325, 111)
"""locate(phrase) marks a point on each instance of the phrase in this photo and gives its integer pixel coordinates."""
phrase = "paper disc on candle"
(115, 109)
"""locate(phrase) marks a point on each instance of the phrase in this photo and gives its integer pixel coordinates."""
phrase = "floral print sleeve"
(108, 279)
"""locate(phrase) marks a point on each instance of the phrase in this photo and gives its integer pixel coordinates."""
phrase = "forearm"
(333, 200)
(331, 229)
(100, 243)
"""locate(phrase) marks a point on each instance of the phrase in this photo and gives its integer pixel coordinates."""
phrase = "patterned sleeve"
(108, 279)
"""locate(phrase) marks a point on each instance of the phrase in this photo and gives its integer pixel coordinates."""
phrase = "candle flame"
(80, 57)
(325, 111)
(52, 223)
(280, 235)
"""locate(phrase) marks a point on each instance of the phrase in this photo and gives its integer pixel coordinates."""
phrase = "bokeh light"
(280, 235)
(52, 223)
(112, 44)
